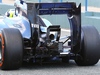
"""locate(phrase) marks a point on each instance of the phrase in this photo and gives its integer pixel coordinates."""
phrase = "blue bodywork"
(19, 22)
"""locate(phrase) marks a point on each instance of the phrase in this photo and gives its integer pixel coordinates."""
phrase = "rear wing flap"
(52, 8)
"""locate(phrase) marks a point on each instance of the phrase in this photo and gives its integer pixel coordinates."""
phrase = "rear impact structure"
(42, 43)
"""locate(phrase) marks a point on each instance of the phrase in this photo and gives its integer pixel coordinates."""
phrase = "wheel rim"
(1, 49)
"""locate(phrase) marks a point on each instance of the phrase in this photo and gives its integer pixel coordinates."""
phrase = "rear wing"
(34, 9)
(31, 10)
(52, 8)
(69, 8)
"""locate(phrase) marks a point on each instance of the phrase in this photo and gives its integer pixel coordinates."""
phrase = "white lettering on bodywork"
(19, 25)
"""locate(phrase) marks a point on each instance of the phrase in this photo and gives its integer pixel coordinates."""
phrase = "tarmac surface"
(53, 68)
(56, 68)
(8, 1)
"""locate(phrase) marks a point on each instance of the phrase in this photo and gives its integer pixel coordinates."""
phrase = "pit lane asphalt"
(54, 68)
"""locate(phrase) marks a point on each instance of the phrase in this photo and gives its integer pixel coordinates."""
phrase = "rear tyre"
(90, 52)
(11, 49)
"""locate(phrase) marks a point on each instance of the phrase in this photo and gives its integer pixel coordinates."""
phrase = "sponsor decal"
(19, 25)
